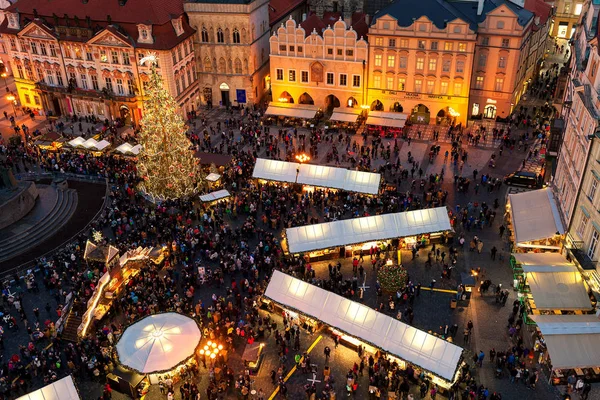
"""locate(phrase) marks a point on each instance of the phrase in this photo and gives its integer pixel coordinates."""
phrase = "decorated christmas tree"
(392, 277)
(166, 164)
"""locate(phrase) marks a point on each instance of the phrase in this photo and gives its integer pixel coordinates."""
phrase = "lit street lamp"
(5, 84)
(11, 97)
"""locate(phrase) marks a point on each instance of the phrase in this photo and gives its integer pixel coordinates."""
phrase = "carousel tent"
(62, 389)
(367, 229)
(213, 196)
(556, 259)
(572, 340)
(415, 346)
(158, 343)
(534, 215)
(557, 288)
(292, 110)
(317, 175)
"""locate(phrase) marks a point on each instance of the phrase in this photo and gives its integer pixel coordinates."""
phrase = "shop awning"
(367, 229)
(541, 259)
(212, 177)
(344, 116)
(557, 288)
(391, 123)
(317, 175)
(62, 389)
(213, 196)
(572, 340)
(292, 110)
(429, 352)
(535, 215)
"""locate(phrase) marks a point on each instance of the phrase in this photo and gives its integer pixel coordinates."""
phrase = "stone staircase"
(64, 208)
(73, 321)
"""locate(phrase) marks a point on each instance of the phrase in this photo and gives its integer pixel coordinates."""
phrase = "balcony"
(585, 262)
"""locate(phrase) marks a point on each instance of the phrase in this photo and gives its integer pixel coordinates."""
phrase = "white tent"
(557, 287)
(158, 342)
(572, 340)
(555, 259)
(345, 114)
(534, 216)
(361, 230)
(384, 118)
(77, 142)
(126, 148)
(101, 145)
(212, 177)
(62, 389)
(293, 110)
(212, 196)
(415, 346)
(317, 175)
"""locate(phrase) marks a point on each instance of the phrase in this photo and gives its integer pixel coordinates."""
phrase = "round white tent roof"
(158, 342)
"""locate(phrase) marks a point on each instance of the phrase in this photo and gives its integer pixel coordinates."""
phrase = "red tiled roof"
(280, 8)
(540, 8)
(359, 24)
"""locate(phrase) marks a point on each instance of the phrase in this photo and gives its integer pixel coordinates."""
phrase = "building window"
(457, 29)
(578, 8)
(462, 47)
(378, 58)
(391, 61)
(36, 100)
(389, 83)
(430, 86)
(49, 77)
(392, 43)
(304, 76)
(343, 80)
(432, 64)
(593, 245)
(446, 65)
(126, 60)
(593, 188)
(355, 80)
(120, 87)
(420, 63)
(27, 98)
(237, 66)
(29, 72)
(418, 85)
(502, 62)
(377, 81)
(43, 49)
(350, 53)
(482, 60)
(448, 46)
(88, 56)
(291, 48)
(59, 79)
(84, 83)
(220, 36)
(130, 87)
(292, 75)
(457, 89)
(174, 55)
(378, 41)
(282, 47)
(402, 84)
(485, 41)
(443, 87)
(330, 78)
(34, 48)
(330, 51)
(582, 225)
(207, 64)
(177, 86)
(115, 57)
(108, 84)
(434, 45)
(235, 36)
(300, 49)
(479, 82)
(204, 35)
(20, 72)
(460, 66)
(95, 82)
(13, 44)
(404, 43)
(421, 44)
(499, 84)
(500, 25)
(340, 52)
(103, 56)
(505, 42)
(403, 62)
(279, 74)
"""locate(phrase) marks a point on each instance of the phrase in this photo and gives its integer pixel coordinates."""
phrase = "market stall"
(534, 221)
(159, 344)
(50, 141)
(214, 196)
(518, 260)
(62, 389)
(127, 381)
(291, 114)
(128, 149)
(438, 358)
(386, 124)
(317, 175)
(89, 144)
(346, 118)
(569, 345)
(362, 233)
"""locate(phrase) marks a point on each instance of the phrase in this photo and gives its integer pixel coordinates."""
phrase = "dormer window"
(178, 26)
(13, 21)
(145, 34)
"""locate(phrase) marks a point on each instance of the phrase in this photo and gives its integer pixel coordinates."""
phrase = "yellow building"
(566, 17)
(325, 68)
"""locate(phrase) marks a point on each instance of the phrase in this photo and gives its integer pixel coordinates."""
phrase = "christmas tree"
(167, 166)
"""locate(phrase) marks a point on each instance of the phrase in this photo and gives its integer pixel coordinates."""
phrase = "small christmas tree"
(392, 277)
(166, 164)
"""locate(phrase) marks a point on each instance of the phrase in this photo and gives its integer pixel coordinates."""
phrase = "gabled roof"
(358, 23)
(469, 8)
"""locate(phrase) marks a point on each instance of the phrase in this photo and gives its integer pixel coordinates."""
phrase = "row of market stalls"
(358, 235)
(436, 357)
(317, 175)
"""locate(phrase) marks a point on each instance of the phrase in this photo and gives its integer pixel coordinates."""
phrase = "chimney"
(480, 4)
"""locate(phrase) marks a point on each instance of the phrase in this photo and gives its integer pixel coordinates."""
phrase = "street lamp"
(5, 84)
(11, 97)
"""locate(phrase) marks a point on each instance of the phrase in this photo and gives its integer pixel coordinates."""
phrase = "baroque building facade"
(86, 64)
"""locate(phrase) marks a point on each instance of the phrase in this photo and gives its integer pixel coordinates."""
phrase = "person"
(493, 252)
(466, 335)
(586, 391)
(327, 352)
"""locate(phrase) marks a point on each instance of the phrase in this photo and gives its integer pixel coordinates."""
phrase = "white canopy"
(212, 177)
(392, 123)
(91, 143)
(126, 148)
(292, 110)
(158, 342)
(62, 389)
(389, 115)
(534, 215)
(572, 340)
(541, 259)
(413, 345)
(360, 230)
(78, 141)
(317, 175)
(345, 114)
(212, 196)
(557, 288)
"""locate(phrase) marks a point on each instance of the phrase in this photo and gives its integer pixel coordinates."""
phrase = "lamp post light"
(5, 84)
(11, 98)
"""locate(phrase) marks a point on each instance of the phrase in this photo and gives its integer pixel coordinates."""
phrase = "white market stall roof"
(158, 342)
(572, 340)
(213, 196)
(557, 288)
(90, 144)
(62, 389)
(390, 119)
(345, 114)
(413, 345)
(541, 259)
(212, 177)
(366, 229)
(126, 148)
(317, 175)
(534, 215)
(306, 111)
